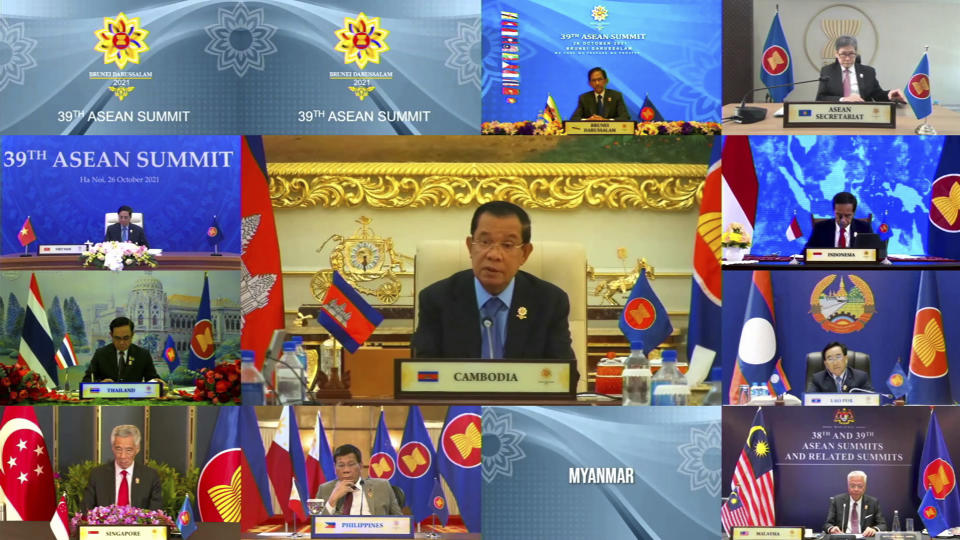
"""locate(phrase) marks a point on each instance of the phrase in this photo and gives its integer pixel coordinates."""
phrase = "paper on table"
(700, 363)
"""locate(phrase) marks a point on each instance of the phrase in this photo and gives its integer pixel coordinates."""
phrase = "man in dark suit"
(601, 103)
(837, 377)
(122, 482)
(350, 494)
(124, 231)
(840, 231)
(848, 81)
(494, 310)
(853, 512)
(121, 361)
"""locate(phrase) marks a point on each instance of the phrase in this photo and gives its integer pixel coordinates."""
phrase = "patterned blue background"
(674, 451)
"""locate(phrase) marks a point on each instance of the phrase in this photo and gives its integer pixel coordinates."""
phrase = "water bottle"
(301, 352)
(669, 386)
(715, 394)
(636, 376)
(289, 376)
(251, 380)
(896, 521)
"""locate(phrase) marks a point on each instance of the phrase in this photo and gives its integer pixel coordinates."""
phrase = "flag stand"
(26, 252)
(216, 251)
(433, 533)
(925, 128)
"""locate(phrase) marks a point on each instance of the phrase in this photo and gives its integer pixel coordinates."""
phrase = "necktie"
(123, 498)
(854, 520)
(126, 234)
(842, 241)
(600, 104)
(846, 82)
(839, 382)
(492, 346)
(347, 504)
(120, 364)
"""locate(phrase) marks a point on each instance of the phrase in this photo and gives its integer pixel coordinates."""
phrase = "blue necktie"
(600, 105)
(491, 333)
(125, 235)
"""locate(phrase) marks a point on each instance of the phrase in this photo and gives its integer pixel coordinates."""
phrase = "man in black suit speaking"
(124, 231)
(122, 482)
(601, 103)
(836, 376)
(121, 361)
(854, 512)
(846, 80)
(494, 310)
(840, 231)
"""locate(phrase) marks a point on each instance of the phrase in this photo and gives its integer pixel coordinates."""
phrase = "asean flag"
(943, 236)
(458, 461)
(416, 463)
(929, 384)
(383, 457)
(644, 319)
(776, 66)
(703, 328)
(757, 354)
(219, 486)
(938, 475)
(170, 354)
(346, 315)
(201, 341)
(918, 90)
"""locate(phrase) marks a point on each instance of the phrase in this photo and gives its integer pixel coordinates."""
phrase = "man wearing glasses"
(121, 361)
(494, 310)
(837, 377)
(847, 80)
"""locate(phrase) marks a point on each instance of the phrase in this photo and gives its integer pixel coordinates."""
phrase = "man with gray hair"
(854, 512)
(848, 80)
(122, 482)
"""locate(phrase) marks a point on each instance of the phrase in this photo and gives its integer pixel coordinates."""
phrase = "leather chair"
(111, 217)
(856, 360)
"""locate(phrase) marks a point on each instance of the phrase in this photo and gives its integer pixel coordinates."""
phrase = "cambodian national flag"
(320, 466)
(776, 66)
(170, 354)
(65, 356)
(757, 355)
(943, 239)
(257, 506)
(438, 503)
(36, 342)
(649, 112)
(929, 384)
(897, 381)
(286, 465)
(703, 328)
(346, 315)
(918, 90)
(416, 465)
(458, 461)
(937, 474)
(644, 319)
(383, 457)
(202, 345)
(221, 478)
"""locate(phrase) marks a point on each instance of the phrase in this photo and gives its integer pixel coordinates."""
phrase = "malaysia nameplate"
(114, 390)
(361, 527)
(836, 114)
(599, 128)
(840, 255)
(443, 378)
(767, 533)
(127, 532)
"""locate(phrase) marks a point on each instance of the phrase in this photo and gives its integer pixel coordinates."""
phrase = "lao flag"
(201, 342)
(36, 343)
(185, 520)
(943, 239)
(776, 66)
(26, 234)
(937, 474)
(793, 230)
(897, 381)
(26, 477)
(932, 515)
(65, 356)
(320, 467)
(929, 384)
(257, 506)
(285, 462)
(170, 354)
(644, 318)
(703, 328)
(918, 90)
(649, 112)
(778, 383)
(415, 463)
(346, 315)
(458, 461)
(214, 234)
(60, 522)
(219, 486)
(438, 502)
(757, 355)
(383, 457)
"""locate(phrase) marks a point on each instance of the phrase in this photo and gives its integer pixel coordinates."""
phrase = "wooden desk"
(945, 121)
(40, 530)
(170, 260)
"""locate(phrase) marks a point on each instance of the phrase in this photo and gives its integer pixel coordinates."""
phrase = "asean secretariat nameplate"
(107, 390)
(362, 527)
(840, 255)
(445, 378)
(599, 128)
(767, 533)
(836, 114)
(127, 532)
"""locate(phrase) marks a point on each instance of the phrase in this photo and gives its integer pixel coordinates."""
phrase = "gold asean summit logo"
(362, 40)
(122, 39)
(840, 309)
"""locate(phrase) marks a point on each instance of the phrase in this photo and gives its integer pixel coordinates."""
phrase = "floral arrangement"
(677, 128)
(543, 126)
(19, 384)
(526, 127)
(120, 515)
(116, 256)
(735, 236)
(220, 385)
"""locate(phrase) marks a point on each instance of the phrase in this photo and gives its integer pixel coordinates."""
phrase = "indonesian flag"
(26, 477)
(60, 522)
(26, 234)
(793, 230)
(740, 185)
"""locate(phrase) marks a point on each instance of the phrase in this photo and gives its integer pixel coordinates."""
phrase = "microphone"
(843, 521)
(750, 115)
(488, 325)
(357, 489)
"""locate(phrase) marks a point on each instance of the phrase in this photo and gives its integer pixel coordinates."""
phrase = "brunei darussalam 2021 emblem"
(122, 40)
(362, 40)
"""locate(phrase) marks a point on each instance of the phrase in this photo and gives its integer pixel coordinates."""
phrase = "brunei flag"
(550, 111)
(929, 384)
(346, 315)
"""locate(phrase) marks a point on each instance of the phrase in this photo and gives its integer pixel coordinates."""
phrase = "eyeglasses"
(487, 245)
(847, 54)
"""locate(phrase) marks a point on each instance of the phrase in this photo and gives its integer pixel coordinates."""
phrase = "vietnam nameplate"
(836, 114)
(444, 378)
(361, 527)
(61, 249)
(113, 390)
(840, 255)
(599, 128)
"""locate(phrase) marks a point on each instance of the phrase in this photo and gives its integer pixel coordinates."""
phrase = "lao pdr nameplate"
(441, 378)
(836, 114)
(362, 527)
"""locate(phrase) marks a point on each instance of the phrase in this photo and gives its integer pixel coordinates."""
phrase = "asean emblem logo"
(461, 440)
(775, 60)
(362, 40)
(919, 86)
(841, 310)
(413, 459)
(640, 314)
(170, 354)
(439, 503)
(843, 417)
(930, 512)
(647, 114)
(883, 228)
(895, 380)
(945, 194)
(940, 477)
(213, 231)
(184, 518)
(202, 341)
(382, 466)
(928, 352)
(218, 488)
(121, 40)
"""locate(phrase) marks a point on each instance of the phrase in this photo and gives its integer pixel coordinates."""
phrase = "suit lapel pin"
(844, 388)
(522, 313)
(136, 480)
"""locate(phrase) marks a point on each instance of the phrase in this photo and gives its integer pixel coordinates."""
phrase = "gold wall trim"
(445, 185)
(98, 422)
(191, 436)
(146, 433)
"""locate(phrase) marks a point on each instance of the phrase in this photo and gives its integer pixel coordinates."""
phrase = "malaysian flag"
(753, 477)
(732, 513)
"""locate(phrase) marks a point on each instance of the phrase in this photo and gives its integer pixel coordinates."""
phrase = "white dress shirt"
(358, 507)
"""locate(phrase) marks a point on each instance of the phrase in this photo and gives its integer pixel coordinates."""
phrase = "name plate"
(104, 390)
(900, 535)
(831, 255)
(361, 527)
(144, 532)
(836, 114)
(854, 399)
(61, 249)
(767, 533)
(599, 128)
(444, 378)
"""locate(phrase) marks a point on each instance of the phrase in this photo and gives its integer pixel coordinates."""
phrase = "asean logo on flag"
(414, 459)
(919, 86)
(439, 503)
(930, 512)
(940, 477)
(461, 440)
(212, 231)
(169, 354)
(202, 341)
(218, 489)
(775, 60)
(640, 314)
(647, 114)
(928, 355)
(945, 195)
(184, 518)
(382, 466)
(895, 380)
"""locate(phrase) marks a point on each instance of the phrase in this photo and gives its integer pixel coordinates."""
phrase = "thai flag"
(65, 356)
(346, 315)
(36, 343)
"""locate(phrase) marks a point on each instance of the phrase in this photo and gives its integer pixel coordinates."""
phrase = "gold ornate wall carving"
(444, 185)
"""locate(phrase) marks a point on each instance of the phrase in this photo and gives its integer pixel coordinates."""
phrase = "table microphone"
(488, 324)
(750, 115)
